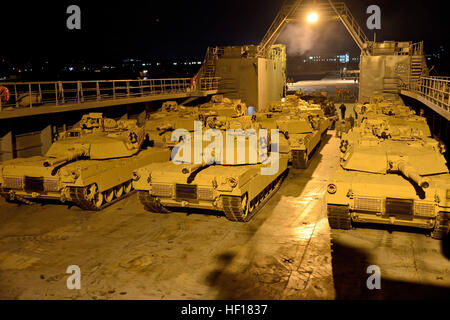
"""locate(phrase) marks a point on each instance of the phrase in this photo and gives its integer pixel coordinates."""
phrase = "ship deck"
(286, 252)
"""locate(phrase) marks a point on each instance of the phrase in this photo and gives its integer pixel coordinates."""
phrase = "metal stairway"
(287, 12)
(351, 25)
(293, 10)
(418, 69)
(208, 68)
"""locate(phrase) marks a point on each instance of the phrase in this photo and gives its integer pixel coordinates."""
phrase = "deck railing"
(433, 89)
(35, 94)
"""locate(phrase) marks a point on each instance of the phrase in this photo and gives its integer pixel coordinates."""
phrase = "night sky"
(183, 29)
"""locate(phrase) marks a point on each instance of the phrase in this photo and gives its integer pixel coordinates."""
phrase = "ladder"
(208, 68)
(287, 11)
(418, 67)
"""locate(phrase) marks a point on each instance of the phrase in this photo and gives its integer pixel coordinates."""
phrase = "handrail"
(433, 89)
(35, 94)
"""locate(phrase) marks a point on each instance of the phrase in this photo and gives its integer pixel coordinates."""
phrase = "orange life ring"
(4, 95)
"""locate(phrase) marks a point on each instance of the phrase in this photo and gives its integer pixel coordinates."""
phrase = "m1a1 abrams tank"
(302, 128)
(394, 177)
(326, 104)
(223, 107)
(91, 165)
(238, 188)
(160, 124)
(378, 106)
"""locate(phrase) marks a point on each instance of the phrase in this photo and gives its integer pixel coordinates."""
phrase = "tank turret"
(50, 162)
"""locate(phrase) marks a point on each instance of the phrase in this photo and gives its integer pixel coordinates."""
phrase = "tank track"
(150, 203)
(78, 195)
(232, 204)
(442, 227)
(300, 159)
(339, 217)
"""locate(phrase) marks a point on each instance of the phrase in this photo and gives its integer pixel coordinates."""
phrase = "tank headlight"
(136, 176)
(149, 179)
(442, 147)
(331, 189)
(74, 174)
(232, 182)
(344, 146)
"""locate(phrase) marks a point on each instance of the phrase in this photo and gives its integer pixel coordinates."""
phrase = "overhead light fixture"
(312, 17)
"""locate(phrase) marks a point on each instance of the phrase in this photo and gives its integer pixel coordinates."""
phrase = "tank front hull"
(210, 188)
(387, 199)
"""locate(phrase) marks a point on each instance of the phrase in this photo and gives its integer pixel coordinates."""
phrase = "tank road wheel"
(93, 196)
(118, 191)
(441, 228)
(109, 195)
(300, 159)
(339, 217)
(127, 186)
(97, 201)
(151, 203)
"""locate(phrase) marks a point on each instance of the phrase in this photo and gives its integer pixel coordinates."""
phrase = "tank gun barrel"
(58, 160)
(412, 174)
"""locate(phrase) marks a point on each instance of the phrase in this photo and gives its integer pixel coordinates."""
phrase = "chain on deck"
(14, 197)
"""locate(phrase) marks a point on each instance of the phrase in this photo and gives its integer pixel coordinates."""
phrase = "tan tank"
(326, 104)
(234, 184)
(303, 127)
(221, 106)
(379, 107)
(91, 165)
(390, 175)
(160, 124)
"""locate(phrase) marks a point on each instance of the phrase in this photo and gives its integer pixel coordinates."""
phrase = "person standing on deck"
(343, 108)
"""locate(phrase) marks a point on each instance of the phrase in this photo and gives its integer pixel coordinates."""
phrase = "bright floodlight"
(312, 17)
